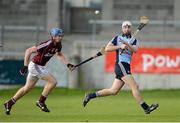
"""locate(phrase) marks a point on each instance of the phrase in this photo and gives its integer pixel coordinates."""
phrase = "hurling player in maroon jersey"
(37, 70)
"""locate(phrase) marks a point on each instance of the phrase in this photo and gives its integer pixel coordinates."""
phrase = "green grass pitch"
(66, 105)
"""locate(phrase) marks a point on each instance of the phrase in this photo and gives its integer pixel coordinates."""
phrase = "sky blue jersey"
(126, 55)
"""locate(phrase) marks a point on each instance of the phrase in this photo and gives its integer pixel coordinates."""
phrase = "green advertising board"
(9, 72)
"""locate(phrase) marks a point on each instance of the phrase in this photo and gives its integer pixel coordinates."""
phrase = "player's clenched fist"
(23, 70)
(124, 47)
(70, 66)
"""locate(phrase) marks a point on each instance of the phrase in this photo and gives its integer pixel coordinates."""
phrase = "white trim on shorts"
(122, 69)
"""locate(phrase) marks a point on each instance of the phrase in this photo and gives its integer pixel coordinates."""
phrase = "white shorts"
(37, 70)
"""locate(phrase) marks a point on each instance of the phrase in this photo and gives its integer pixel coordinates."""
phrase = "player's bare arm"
(28, 53)
(111, 47)
(64, 60)
(27, 56)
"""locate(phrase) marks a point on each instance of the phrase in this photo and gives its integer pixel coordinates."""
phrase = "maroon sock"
(11, 102)
(42, 99)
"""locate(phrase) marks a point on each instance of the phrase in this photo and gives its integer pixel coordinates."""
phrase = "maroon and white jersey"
(45, 50)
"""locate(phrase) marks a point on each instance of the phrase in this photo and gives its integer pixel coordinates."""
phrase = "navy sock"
(144, 105)
(92, 95)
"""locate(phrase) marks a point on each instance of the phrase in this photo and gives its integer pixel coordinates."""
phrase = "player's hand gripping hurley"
(143, 22)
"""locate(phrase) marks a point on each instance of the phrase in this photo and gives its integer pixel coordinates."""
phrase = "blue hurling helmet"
(56, 31)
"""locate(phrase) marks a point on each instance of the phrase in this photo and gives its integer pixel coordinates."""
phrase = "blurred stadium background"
(24, 23)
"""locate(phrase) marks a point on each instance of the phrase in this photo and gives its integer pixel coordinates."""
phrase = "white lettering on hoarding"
(172, 62)
(148, 60)
(159, 61)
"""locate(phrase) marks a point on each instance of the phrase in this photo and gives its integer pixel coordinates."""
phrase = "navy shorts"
(122, 69)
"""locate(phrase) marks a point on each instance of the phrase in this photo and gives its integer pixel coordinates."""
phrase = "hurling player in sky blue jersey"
(124, 48)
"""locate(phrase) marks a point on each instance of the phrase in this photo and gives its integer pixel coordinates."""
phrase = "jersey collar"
(126, 35)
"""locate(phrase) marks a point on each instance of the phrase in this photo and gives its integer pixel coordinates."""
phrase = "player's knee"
(136, 87)
(53, 82)
(114, 92)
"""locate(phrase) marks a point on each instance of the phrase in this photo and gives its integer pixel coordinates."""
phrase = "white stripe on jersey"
(43, 44)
